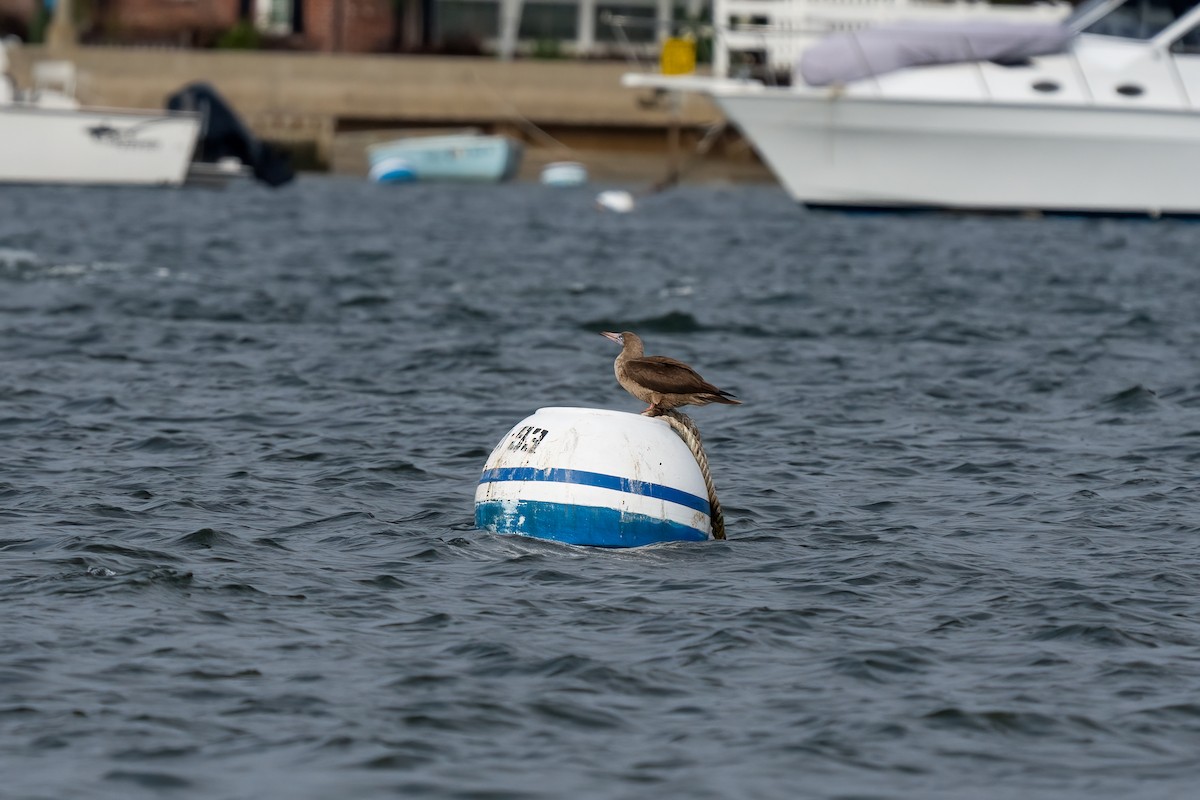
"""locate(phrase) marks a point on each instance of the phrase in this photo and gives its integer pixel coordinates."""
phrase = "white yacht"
(1097, 114)
(50, 138)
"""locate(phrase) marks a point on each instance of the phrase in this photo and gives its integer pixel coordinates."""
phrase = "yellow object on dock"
(678, 57)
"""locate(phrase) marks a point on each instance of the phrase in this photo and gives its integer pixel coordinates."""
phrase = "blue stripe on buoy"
(581, 525)
(598, 479)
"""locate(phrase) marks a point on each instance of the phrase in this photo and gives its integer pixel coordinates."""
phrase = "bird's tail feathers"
(724, 397)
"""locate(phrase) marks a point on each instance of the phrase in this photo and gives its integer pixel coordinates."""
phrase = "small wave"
(26, 265)
(581, 716)
(165, 577)
(399, 467)
(349, 518)
(148, 780)
(775, 332)
(104, 548)
(1105, 635)
(166, 444)
(392, 582)
(1029, 723)
(1182, 711)
(400, 761)
(431, 622)
(10, 257)
(883, 666)
(1134, 399)
(94, 405)
(955, 333)
(208, 675)
(364, 301)
(207, 538)
(671, 322)
(271, 543)
(370, 256)
(123, 580)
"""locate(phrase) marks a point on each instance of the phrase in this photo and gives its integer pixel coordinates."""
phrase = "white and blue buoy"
(587, 476)
(392, 170)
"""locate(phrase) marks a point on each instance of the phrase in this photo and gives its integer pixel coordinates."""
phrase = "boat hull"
(95, 146)
(881, 153)
(468, 158)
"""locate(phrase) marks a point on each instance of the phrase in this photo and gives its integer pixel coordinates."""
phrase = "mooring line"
(687, 430)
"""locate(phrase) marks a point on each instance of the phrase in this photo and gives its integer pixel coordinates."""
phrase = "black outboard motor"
(223, 134)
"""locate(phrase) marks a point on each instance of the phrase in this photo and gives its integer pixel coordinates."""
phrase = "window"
(641, 26)
(548, 21)
(273, 16)
(474, 19)
(1140, 19)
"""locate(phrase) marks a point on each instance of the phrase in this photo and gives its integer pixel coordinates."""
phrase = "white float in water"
(615, 200)
(588, 476)
(564, 174)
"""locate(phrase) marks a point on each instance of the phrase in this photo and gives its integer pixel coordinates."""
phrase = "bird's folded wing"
(666, 375)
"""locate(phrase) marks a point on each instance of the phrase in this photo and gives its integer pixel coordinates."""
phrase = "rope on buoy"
(690, 434)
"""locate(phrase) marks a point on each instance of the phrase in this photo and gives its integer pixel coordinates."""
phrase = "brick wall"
(173, 21)
(349, 26)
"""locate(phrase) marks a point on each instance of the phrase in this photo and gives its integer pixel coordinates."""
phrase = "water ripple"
(243, 433)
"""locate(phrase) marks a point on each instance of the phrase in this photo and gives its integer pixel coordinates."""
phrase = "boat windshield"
(1133, 19)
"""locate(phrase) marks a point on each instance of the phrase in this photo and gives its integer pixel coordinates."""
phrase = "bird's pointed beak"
(616, 337)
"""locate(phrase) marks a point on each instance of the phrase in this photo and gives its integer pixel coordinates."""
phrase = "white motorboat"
(50, 139)
(958, 117)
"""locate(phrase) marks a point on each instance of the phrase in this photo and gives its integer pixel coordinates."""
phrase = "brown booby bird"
(662, 382)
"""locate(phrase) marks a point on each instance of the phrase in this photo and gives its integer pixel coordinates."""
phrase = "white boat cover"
(845, 57)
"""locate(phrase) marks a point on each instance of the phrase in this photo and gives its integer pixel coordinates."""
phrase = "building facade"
(19, 17)
(539, 28)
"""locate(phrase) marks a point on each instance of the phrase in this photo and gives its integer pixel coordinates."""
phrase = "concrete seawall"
(331, 105)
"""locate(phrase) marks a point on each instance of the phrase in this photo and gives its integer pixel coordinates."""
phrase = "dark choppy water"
(241, 434)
